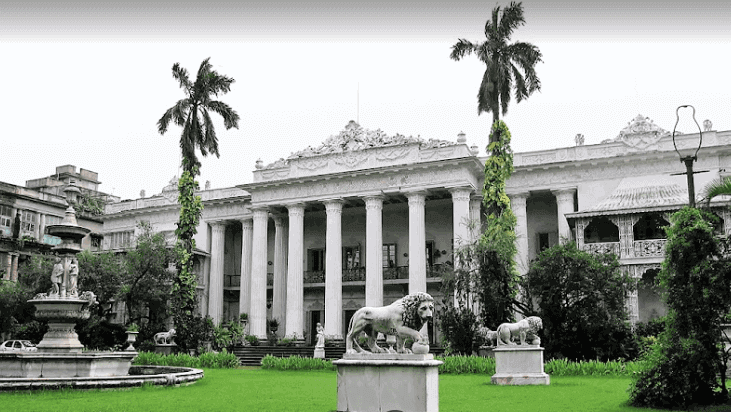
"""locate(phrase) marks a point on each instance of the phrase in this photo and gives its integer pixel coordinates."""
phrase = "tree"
(717, 188)
(192, 113)
(508, 67)
(685, 363)
(581, 299)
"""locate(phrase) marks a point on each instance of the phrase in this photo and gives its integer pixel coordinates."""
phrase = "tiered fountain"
(60, 359)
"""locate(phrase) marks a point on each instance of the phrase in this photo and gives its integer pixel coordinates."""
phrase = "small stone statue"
(320, 336)
(56, 277)
(525, 330)
(73, 278)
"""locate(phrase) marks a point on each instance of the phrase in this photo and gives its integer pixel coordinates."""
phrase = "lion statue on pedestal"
(525, 330)
(165, 338)
(403, 319)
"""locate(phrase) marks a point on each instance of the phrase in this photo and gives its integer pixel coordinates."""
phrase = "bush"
(222, 360)
(581, 299)
(296, 363)
(459, 330)
(252, 340)
(100, 334)
(459, 364)
(684, 364)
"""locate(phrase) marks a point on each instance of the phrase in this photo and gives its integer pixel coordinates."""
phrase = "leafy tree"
(685, 363)
(581, 299)
(192, 113)
(102, 274)
(509, 67)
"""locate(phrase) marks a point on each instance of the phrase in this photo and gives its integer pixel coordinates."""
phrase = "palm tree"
(192, 113)
(717, 188)
(509, 67)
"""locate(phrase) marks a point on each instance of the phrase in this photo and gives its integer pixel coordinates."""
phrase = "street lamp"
(688, 159)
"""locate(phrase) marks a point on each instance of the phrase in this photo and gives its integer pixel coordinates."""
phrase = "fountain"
(60, 359)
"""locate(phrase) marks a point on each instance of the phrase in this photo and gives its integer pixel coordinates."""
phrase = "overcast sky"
(85, 84)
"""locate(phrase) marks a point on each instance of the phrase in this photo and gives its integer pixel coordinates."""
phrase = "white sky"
(85, 84)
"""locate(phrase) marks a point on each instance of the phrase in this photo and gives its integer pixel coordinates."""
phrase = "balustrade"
(605, 247)
(650, 248)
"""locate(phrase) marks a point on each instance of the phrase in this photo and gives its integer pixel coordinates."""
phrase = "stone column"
(247, 227)
(295, 275)
(215, 286)
(565, 204)
(518, 203)
(374, 251)
(461, 215)
(476, 215)
(7, 266)
(41, 227)
(334, 270)
(258, 309)
(14, 267)
(279, 291)
(417, 242)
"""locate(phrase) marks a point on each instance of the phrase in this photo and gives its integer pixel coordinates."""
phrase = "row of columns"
(288, 288)
(10, 266)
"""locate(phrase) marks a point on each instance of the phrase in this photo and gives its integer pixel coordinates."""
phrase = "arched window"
(650, 226)
(601, 230)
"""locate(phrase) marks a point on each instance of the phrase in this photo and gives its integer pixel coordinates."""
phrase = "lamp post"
(688, 159)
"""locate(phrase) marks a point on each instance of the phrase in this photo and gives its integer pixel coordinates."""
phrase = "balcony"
(601, 248)
(650, 248)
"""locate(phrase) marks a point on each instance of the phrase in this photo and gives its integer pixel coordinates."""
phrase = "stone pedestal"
(319, 353)
(165, 349)
(385, 382)
(519, 365)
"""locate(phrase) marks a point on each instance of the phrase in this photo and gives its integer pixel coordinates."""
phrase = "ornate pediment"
(355, 138)
(640, 133)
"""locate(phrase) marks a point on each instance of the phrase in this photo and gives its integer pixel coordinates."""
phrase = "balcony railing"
(650, 248)
(606, 247)
(350, 275)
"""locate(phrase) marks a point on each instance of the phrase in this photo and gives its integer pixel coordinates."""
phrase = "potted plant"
(273, 325)
(132, 331)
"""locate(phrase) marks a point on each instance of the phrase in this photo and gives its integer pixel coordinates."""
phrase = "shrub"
(459, 364)
(285, 342)
(581, 299)
(459, 330)
(252, 340)
(222, 360)
(684, 364)
(297, 363)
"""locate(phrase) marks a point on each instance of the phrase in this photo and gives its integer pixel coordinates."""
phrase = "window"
(316, 259)
(543, 242)
(121, 239)
(6, 216)
(389, 255)
(96, 242)
(429, 253)
(351, 257)
(27, 221)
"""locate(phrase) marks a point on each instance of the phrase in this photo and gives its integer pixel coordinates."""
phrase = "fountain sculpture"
(61, 359)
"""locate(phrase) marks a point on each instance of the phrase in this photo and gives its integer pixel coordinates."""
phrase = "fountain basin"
(138, 375)
(64, 365)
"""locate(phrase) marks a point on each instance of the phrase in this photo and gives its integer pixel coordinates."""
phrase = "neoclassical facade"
(364, 218)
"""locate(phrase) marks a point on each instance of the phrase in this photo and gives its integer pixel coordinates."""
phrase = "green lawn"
(265, 390)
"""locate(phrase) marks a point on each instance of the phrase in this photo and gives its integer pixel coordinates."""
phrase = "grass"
(255, 389)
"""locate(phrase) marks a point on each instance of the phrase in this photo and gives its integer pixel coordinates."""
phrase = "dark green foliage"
(193, 331)
(581, 299)
(16, 314)
(459, 329)
(686, 361)
(297, 363)
(192, 113)
(508, 67)
(97, 334)
(32, 330)
(221, 360)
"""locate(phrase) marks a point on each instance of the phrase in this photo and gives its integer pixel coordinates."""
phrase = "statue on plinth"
(402, 319)
(320, 336)
(525, 330)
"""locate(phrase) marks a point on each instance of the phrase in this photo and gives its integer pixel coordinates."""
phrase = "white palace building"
(364, 218)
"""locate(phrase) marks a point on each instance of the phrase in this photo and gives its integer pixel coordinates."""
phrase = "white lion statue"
(165, 338)
(525, 330)
(403, 319)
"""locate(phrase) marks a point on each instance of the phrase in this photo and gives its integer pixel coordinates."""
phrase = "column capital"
(374, 202)
(333, 205)
(247, 223)
(564, 195)
(461, 193)
(416, 198)
(518, 200)
(278, 220)
(295, 209)
(218, 225)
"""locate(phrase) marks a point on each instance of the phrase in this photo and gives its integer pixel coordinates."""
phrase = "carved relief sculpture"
(73, 290)
(56, 277)
(403, 319)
